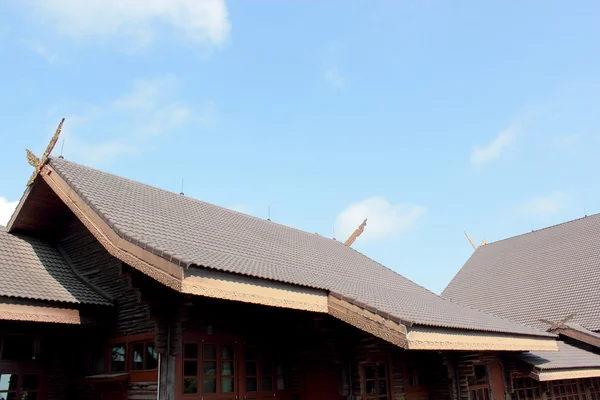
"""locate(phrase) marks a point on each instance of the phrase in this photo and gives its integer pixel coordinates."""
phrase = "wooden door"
(323, 385)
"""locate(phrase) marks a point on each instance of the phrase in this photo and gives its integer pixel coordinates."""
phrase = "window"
(413, 377)
(595, 389)
(479, 388)
(117, 358)
(132, 356)
(262, 373)
(208, 368)
(375, 379)
(527, 389)
(23, 386)
(143, 356)
(415, 386)
(17, 348)
(567, 390)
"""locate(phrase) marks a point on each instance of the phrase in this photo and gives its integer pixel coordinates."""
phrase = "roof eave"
(431, 338)
(544, 375)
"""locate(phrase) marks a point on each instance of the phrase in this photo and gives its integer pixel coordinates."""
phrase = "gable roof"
(549, 273)
(192, 233)
(32, 269)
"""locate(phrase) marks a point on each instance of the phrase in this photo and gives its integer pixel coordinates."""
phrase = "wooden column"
(166, 377)
(496, 381)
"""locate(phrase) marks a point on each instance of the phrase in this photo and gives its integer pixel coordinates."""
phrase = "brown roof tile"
(32, 269)
(549, 273)
(567, 357)
(202, 234)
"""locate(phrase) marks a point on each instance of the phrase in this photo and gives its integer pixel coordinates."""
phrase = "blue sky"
(428, 118)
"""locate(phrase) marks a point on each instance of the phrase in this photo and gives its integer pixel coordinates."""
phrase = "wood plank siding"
(92, 261)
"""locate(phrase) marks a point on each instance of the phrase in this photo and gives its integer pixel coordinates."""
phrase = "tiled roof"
(32, 269)
(567, 357)
(201, 234)
(549, 273)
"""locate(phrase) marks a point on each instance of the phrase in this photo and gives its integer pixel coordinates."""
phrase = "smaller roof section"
(32, 269)
(547, 274)
(569, 362)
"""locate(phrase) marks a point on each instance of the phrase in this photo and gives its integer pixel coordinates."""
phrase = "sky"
(428, 118)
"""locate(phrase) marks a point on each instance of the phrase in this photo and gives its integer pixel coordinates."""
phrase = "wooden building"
(548, 279)
(112, 289)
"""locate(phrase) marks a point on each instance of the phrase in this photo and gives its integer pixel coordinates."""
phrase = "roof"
(32, 269)
(576, 327)
(549, 273)
(567, 357)
(201, 234)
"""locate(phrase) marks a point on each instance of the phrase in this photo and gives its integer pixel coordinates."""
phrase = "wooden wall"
(107, 273)
(314, 345)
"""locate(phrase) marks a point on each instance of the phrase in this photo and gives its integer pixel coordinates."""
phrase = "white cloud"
(147, 104)
(6, 210)
(50, 56)
(125, 126)
(204, 22)
(384, 218)
(494, 150)
(544, 206)
(334, 77)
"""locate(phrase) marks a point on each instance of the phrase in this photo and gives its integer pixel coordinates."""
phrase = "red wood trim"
(107, 379)
(144, 376)
(132, 338)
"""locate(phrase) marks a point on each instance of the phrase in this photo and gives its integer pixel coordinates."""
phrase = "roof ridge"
(196, 200)
(538, 230)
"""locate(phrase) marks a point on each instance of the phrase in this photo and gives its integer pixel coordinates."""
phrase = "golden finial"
(38, 163)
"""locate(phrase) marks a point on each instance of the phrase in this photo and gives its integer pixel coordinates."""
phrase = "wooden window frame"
(480, 391)
(239, 377)
(260, 361)
(414, 391)
(145, 344)
(201, 341)
(143, 375)
(522, 384)
(376, 359)
(594, 388)
(19, 390)
(567, 383)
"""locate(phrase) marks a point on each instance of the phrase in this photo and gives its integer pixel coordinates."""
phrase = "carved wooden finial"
(471, 240)
(483, 242)
(38, 163)
(356, 233)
